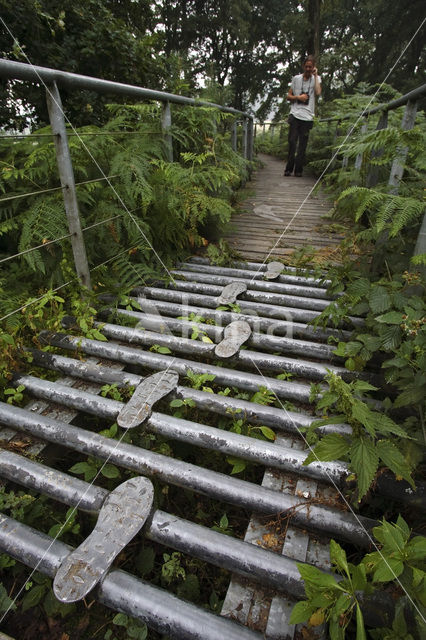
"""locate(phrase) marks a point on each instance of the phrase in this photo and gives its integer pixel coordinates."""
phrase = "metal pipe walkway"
(246, 328)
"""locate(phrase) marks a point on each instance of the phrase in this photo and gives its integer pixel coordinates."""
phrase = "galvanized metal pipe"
(289, 328)
(66, 175)
(204, 436)
(248, 358)
(157, 361)
(253, 275)
(121, 591)
(185, 328)
(222, 279)
(290, 421)
(73, 81)
(258, 266)
(263, 297)
(290, 314)
(248, 560)
(304, 513)
(166, 123)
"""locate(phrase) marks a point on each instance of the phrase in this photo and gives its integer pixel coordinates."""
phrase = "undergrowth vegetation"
(375, 276)
(170, 209)
(136, 225)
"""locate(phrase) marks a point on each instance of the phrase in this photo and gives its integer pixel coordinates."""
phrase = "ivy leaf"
(359, 578)
(176, 403)
(331, 447)
(364, 461)
(33, 597)
(412, 394)
(6, 603)
(394, 459)
(359, 289)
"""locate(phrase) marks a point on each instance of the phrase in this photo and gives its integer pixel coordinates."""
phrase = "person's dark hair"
(310, 58)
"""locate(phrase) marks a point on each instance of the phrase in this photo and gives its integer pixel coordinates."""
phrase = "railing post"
(66, 175)
(373, 174)
(345, 160)
(358, 159)
(234, 136)
(421, 240)
(397, 169)
(166, 123)
(250, 140)
(245, 138)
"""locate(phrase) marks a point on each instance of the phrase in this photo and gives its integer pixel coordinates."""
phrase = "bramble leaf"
(364, 461)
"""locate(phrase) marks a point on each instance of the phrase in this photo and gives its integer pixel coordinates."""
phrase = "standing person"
(304, 88)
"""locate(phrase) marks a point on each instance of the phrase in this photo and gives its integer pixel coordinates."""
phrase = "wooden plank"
(260, 227)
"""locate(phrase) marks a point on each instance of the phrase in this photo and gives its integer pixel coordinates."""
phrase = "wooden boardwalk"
(260, 226)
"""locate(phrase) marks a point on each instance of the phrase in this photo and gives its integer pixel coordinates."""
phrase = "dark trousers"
(298, 134)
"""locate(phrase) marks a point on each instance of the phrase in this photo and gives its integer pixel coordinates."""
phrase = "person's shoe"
(287, 173)
(298, 174)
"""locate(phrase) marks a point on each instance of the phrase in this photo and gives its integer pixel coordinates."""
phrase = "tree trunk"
(313, 42)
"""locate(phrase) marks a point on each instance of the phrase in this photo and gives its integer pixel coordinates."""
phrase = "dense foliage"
(154, 211)
(248, 48)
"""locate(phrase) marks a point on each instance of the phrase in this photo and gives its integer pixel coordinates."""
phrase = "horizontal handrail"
(22, 71)
(415, 94)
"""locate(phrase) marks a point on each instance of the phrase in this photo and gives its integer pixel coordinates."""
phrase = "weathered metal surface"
(223, 278)
(121, 517)
(244, 380)
(255, 271)
(73, 81)
(66, 175)
(268, 302)
(164, 528)
(273, 270)
(121, 591)
(147, 393)
(234, 335)
(332, 521)
(267, 309)
(288, 327)
(275, 343)
(230, 292)
(194, 433)
(274, 417)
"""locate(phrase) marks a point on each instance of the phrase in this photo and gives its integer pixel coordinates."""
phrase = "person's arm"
(317, 82)
(303, 97)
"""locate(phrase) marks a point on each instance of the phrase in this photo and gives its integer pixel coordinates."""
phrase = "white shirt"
(300, 85)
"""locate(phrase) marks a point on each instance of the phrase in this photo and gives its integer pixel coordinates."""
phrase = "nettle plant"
(374, 436)
(398, 563)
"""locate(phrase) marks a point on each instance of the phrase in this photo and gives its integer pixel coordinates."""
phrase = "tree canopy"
(249, 48)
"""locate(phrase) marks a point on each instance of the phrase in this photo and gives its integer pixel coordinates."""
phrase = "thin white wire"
(332, 481)
(105, 462)
(337, 151)
(166, 269)
(85, 147)
(29, 304)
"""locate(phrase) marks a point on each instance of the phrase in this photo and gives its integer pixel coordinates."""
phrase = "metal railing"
(53, 80)
(411, 101)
